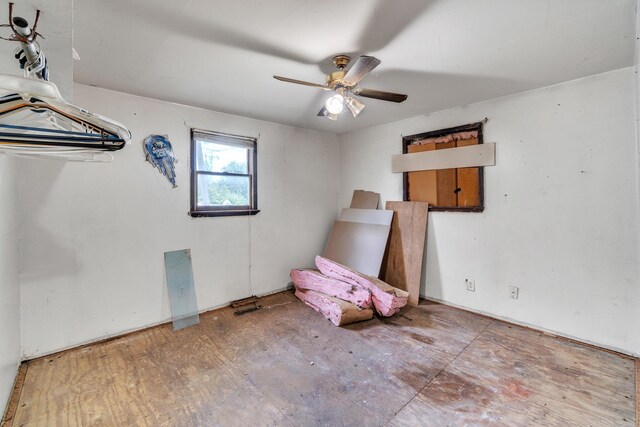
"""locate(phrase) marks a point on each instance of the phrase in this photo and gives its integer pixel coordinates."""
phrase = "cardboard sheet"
(358, 246)
(367, 216)
(365, 200)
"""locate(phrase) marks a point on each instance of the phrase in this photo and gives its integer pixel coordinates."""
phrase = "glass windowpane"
(212, 157)
(214, 190)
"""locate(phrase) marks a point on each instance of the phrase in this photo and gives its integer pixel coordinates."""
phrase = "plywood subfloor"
(286, 365)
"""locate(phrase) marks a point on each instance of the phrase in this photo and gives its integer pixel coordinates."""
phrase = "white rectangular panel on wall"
(461, 157)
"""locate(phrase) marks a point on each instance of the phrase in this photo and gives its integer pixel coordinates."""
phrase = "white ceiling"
(222, 54)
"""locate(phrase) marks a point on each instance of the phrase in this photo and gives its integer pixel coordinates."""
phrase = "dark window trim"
(223, 173)
(246, 212)
(407, 140)
(218, 210)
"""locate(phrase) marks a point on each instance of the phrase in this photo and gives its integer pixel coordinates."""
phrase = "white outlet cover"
(471, 285)
(513, 292)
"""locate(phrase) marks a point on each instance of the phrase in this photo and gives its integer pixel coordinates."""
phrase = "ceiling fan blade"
(354, 105)
(301, 82)
(378, 94)
(361, 68)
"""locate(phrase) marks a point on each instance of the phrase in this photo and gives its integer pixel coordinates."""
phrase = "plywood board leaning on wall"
(402, 268)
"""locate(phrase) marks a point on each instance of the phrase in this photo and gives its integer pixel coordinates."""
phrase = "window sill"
(456, 209)
(226, 212)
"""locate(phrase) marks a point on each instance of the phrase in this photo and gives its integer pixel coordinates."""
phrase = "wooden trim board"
(460, 157)
(403, 266)
(638, 392)
(14, 398)
(367, 216)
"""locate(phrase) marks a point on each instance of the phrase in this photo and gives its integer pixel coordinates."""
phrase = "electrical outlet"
(471, 285)
(513, 292)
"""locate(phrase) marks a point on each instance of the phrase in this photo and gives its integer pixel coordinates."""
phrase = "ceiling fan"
(344, 84)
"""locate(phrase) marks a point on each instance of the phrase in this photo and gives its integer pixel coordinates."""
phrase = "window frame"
(220, 210)
(407, 140)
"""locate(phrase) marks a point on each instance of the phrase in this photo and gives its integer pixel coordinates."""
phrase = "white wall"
(9, 278)
(55, 25)
(561, 218)
(636, 322)
(94, 234)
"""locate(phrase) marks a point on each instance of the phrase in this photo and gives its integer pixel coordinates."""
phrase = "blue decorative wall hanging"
(159, 153)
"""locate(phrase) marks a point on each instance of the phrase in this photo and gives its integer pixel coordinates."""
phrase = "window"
(460, 189)
(223, 174)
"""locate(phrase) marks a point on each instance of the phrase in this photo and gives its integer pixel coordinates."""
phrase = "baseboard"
(638, 392)
(119, 334)
(545, 331)
(14, 396)
(290, 285)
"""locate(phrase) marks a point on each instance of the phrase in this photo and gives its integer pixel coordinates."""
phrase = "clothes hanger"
(39, 114)
(29, 119)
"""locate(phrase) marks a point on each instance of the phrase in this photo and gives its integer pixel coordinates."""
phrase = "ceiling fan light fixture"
(354, 105)
(335, 104)
(343, 83)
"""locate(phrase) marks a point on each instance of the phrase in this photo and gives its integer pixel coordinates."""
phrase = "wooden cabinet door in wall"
(423, 184)
(445, 188)
(468, 181)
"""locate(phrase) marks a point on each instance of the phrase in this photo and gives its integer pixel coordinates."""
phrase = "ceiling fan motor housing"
(336, 78)
(341, 61)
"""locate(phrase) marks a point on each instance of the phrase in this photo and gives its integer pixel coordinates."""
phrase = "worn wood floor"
(285, 365)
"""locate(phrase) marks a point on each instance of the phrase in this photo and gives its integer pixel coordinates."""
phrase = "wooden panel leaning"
(403, 267)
